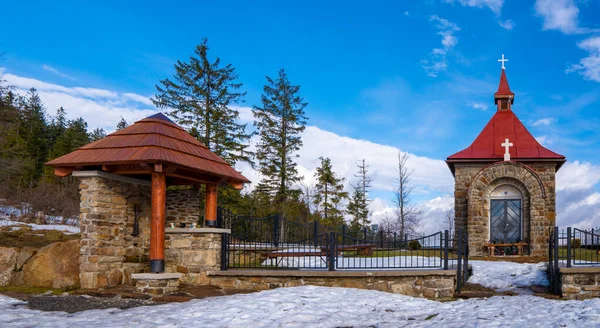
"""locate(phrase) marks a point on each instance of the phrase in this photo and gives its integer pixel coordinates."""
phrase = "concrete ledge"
(197, 230)
(155, 276)
(106, 175)
(580, 270)
(332, 274)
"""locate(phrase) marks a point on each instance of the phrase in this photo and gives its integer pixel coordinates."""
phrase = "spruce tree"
(279, 123)
(34, 132)
(97, 134)
(14, 158)
(122, 124)
(74, 136)
(329, 194)
(358, 206)
(201, 95)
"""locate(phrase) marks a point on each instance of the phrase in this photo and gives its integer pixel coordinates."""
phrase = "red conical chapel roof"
(505, 125)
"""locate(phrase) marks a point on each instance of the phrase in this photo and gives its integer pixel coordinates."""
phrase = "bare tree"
(450, 220)
(307, 197)
(388, 223)
(407, 213)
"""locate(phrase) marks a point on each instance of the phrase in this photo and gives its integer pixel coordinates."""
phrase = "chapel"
(505, 185)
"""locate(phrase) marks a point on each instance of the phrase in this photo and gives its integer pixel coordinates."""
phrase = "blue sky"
(417, 76)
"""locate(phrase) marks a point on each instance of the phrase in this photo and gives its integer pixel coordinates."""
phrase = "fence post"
(381, 238)
(332, 251)
(220, 217)
(446, 249)
(315, 233)
(224, 252)
(395, 241)
(459, 263)
(569, 247)
(344, 234)
(365, 233)
(556, 257)
(276, 230)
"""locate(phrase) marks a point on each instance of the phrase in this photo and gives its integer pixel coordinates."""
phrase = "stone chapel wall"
(472, 202)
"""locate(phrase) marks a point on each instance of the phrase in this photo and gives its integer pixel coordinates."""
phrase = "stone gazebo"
(505, 185)
(125, 203)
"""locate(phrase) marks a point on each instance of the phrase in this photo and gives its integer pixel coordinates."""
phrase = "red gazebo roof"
(153, 140)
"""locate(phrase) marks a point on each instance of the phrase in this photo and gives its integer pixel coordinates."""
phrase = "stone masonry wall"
(193, 254)
(474, 183)
(431, 285)
(106, 222)
(580, 283)
(183, 206)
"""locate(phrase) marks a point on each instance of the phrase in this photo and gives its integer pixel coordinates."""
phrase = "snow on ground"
(311, 306)
(508, 276)
(60, 227)
(392, 262)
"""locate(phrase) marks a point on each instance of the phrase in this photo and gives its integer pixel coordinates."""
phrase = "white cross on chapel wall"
(506, 146)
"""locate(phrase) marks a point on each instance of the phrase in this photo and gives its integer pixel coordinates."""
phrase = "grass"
(391, 253)
(431, 316)
(581, 254)
(25, 237)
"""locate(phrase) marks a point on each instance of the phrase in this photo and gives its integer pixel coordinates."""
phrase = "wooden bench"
(492, 247)
(361, 249)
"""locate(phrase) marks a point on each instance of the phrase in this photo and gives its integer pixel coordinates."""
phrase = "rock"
(54, 266)
(9, 257)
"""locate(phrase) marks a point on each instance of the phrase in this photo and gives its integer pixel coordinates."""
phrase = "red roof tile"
(155, 139)
(505, 124)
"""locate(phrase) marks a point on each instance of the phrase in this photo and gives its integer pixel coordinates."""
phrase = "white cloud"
(543, 122)
(588, 67)
(562, 15)
(57, 72)
(437, 57)
(494, 5)
(577, 176)
(480, 106)
(138, 98)
(543, 140)
(507, 24)
(99, 107)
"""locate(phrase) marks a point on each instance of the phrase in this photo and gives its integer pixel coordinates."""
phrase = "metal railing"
(575, 247)
(571, 247)
(277, 243)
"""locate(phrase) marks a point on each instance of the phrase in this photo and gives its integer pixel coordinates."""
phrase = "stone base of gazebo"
(156, 283)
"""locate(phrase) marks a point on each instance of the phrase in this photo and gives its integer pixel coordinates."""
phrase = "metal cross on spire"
(503, 60)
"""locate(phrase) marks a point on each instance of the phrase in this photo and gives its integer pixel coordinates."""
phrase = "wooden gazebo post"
(157, 225)
(210, 214)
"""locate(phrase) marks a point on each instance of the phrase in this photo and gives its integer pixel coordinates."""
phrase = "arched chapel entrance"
(506, 215)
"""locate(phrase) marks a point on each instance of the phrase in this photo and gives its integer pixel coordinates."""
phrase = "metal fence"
(277, 243)
(570, 247)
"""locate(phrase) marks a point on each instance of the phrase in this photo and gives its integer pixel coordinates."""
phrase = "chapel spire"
(503, 98)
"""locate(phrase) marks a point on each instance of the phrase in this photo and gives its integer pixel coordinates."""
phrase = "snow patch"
(311, 306)
(508, 276)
